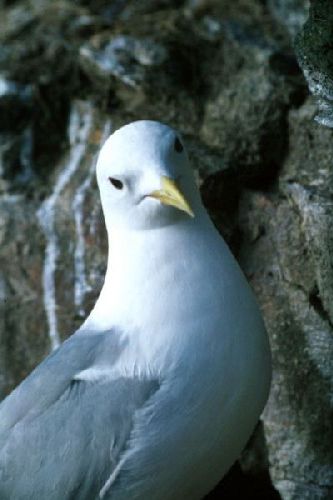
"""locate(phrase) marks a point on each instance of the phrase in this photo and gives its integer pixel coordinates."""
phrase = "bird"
(156, 394)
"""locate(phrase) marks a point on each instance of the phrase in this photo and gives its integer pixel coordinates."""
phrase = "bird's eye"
(178, 145)
(116, 183)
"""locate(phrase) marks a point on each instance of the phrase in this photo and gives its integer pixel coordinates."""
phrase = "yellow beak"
(170, 194)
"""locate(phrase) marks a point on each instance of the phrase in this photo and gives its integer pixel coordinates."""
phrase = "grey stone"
(315, 55)
(290, 13)
(123, 57)
(289, 233)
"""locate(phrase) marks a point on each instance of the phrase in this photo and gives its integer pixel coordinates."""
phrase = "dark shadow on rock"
(237, 485)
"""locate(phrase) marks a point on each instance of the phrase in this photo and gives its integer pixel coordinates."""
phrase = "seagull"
(156, 394)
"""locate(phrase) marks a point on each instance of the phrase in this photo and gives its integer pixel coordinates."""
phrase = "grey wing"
(63, 437)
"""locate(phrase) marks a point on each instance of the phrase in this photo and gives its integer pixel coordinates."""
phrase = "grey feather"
(53, 443)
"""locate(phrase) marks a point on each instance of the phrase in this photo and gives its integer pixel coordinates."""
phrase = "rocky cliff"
(230, 77)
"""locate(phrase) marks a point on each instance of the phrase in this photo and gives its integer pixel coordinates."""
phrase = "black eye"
(116, 183)
(178, 145)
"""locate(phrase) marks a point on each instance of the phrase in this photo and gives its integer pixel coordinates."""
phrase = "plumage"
(50, 430)
(156, 394)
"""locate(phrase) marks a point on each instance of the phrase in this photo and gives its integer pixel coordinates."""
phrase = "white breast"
(195, 324)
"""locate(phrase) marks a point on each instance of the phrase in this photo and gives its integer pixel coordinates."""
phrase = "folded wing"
(62, 436)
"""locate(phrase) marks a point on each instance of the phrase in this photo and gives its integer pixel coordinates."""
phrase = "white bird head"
(144, 177)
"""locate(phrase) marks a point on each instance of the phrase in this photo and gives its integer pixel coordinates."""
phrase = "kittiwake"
(155, 396)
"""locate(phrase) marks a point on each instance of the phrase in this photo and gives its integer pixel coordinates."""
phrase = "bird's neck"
(156, 281)
(141, 266)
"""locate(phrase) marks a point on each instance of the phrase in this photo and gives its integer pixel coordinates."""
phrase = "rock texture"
(227, 76)
(315, 55)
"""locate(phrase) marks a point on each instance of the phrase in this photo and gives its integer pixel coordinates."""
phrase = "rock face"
(225, 74)
(315, 55)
